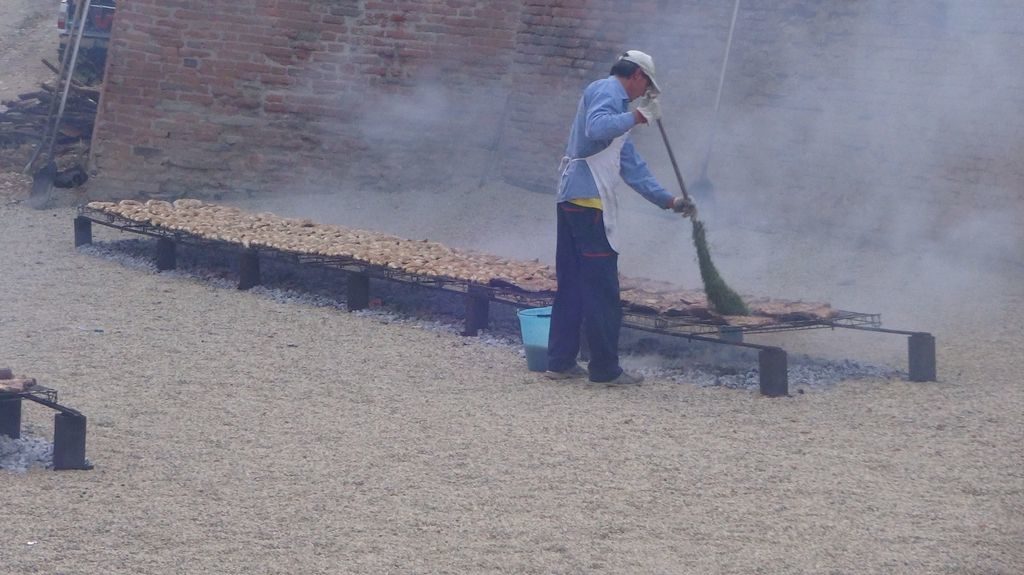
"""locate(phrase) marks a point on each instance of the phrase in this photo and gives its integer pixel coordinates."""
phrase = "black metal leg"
(358, 287)
(477, 312)
(10, 417)
(921, 352)
(249, 270)
(774, 372)
(83, 231)
(165, 254)
(69, 441)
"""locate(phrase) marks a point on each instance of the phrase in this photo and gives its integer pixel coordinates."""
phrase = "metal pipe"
(879, 329)
(721, 84)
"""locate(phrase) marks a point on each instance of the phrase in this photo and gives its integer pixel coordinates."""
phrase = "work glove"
(684, 206)
(649, 107)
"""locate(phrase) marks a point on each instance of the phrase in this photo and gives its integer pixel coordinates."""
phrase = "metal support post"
(478, 307)
(358, 288)
(774, 372)
(10, 417)
(69, 441)
(921, 357)
(83, 231)
(165, 254)
(248, 270)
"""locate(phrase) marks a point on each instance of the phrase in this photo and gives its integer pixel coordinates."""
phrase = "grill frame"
(645, 321)
(773, 362)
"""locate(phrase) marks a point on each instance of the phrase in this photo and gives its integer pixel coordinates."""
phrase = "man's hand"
(681, 205)
(648, 108)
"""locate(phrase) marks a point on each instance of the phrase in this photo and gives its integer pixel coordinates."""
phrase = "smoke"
(426, 168)
(866, 154)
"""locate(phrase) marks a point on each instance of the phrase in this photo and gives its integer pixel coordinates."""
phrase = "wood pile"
(24, 119)
(432, 259)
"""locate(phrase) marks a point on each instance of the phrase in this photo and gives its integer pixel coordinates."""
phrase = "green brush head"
(723, 299)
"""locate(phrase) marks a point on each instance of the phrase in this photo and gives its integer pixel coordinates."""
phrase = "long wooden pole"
(672, 157)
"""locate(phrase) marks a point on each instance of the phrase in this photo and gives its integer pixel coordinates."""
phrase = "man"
(599, 156)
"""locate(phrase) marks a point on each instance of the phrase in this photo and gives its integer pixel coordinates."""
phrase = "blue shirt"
(603, 115)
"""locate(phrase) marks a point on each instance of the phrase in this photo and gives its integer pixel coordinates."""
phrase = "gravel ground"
(239, 432)
(272, 432)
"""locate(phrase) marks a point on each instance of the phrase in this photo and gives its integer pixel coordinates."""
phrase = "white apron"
(605, 166)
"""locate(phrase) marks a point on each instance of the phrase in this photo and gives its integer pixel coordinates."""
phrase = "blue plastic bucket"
(534, 325)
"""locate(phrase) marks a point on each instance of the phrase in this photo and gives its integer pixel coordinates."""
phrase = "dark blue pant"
(588, 293)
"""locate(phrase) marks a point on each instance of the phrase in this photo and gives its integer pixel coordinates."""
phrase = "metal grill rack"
(36, 391)
(687, 325)
(68, 425)
(478, 296)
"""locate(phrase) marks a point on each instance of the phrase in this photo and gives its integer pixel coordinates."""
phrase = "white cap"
(646, 64)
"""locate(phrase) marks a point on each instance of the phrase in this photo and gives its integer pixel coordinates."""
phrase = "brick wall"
(209, 96)
(841, 105)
